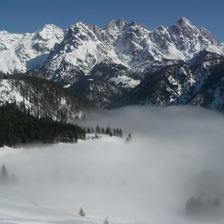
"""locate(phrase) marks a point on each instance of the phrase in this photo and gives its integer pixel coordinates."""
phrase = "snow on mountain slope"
(129, 44)
(21, 52)
(190, 39)
(106, 83)
(199, 81)
(126, 81)
(120, 42)
(11, 95)
(80, 50)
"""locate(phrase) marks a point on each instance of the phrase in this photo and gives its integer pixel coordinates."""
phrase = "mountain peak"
(183, 22)
(50, 31)
(79, 27)
(50, 26)
(121, 21)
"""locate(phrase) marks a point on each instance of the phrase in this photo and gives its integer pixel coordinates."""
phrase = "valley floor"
(175, 153)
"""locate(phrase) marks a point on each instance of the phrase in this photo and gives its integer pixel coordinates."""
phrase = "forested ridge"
(43, 98)
(17, 127)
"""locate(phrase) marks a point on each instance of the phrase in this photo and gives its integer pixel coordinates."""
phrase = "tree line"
(199, 206)
(105, 131)
(17, 127)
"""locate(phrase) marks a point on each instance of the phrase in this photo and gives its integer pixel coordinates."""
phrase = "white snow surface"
(125, 81)
(8, 94)
(16, 50)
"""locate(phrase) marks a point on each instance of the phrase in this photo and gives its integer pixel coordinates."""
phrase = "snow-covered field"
(175, 153)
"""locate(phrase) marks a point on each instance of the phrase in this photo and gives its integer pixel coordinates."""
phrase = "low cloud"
(176, 153)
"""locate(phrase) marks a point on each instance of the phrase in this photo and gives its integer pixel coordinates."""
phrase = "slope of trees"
(17, 127)
(45, 97)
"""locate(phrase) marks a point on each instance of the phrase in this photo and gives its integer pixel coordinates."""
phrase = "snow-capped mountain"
(22, 52)
(82, 46)
(127, 43)
(102, 64)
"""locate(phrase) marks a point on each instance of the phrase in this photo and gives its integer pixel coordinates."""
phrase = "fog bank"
(176, 153)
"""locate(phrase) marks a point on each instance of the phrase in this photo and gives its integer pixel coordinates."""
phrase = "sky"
(30, 15)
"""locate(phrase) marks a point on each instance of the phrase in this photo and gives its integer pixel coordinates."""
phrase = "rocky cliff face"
(198, 82)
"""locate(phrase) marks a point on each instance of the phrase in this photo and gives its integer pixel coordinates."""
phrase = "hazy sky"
(27, 15)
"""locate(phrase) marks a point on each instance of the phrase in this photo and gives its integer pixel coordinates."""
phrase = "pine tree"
(120, 133)
(108, 131)
(4, 173)
(81, 212)
(106, 221)
(129, 137)
(97, 129)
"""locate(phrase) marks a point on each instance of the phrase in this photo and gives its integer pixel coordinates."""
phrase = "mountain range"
(122, 63)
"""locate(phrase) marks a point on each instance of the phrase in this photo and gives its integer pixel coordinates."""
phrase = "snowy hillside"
(20, 212)
(14, 211)
(40, 98)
